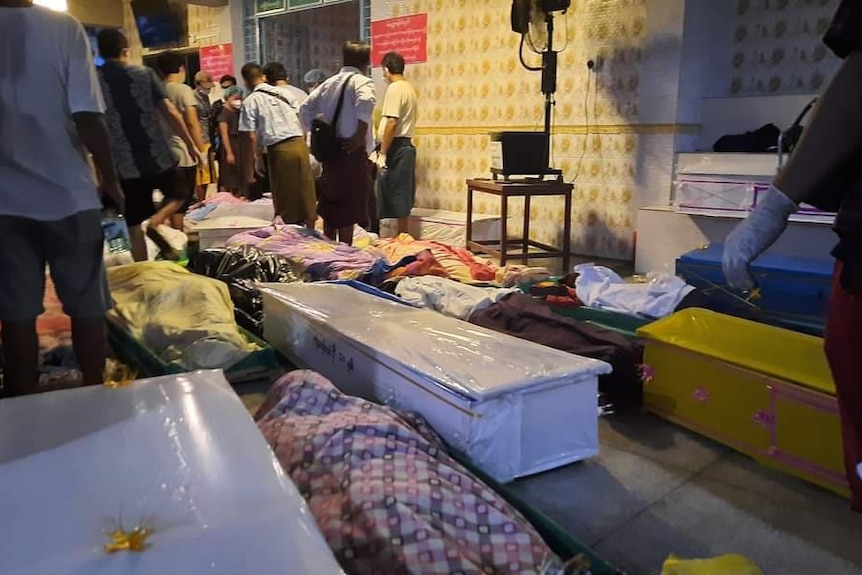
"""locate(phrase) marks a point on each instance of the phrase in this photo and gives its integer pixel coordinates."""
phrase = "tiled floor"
(657, 489)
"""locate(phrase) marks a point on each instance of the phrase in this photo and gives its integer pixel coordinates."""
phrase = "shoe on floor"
(165, 249)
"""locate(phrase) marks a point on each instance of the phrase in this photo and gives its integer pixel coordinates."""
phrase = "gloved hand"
(380, 161)
(754, 236)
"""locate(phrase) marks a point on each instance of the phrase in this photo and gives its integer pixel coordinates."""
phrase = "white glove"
(380, 161)
(754, 236)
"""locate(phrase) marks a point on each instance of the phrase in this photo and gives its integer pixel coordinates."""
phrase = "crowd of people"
(113, 137)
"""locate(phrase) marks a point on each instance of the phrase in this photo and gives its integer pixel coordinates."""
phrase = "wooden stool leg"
(567, 234)
(504, 229)
(526, 244)
(469, 216)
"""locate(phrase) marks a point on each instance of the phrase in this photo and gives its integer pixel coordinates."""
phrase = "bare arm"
(225, 138)
(832, 136)
(388, 135)
(93, 132)
(175, 120)
(194, 127)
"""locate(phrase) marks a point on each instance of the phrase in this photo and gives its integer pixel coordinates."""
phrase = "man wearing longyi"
(826, 171)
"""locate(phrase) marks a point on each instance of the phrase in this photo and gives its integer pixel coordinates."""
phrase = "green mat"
(625, 324)
(146, 363)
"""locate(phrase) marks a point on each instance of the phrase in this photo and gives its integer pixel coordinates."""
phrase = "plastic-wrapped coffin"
(178, 455)
(513, 407)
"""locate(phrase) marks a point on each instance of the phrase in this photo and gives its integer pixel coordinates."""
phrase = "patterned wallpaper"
(310, 38)
(473, 84)
(777, 47)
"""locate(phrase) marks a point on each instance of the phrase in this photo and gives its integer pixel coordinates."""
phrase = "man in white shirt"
(345, 186)
(51, 114)
(269, 121)
(396, 161)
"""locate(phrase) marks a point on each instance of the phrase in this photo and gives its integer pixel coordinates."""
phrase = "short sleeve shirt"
(399, 103)
(273, 119)
(204, 114)
(46, 76)
(139, 140)
(183, 97)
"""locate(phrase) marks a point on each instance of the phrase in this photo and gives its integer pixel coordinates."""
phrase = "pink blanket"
(384, 492)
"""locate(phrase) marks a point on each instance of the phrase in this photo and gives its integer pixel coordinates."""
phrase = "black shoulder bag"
(325, 144)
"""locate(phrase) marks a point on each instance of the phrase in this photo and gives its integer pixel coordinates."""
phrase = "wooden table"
(528, 190)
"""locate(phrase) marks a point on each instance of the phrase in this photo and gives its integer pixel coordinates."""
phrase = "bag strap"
(341, 102)
(279, 97)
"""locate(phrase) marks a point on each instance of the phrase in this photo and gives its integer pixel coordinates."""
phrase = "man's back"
(359, 101)
(46, 75)
(134, 96)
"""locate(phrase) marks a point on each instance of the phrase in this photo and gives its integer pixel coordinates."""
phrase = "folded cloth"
(448, 297)
(386, 495)
(600, 287)
(521, 316)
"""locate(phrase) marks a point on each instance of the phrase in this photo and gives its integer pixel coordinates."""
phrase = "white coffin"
(446, 227)
(181, 450)
(227, 220)
(515, 408)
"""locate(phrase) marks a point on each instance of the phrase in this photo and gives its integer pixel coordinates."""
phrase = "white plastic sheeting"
(449, 297)
(179, 452)
(515, 408)
(603, 288)
(446, 227)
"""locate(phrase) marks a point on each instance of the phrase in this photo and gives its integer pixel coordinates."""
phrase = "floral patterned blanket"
(385, 493)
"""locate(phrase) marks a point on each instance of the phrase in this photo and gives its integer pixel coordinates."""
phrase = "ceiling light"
(59, 5)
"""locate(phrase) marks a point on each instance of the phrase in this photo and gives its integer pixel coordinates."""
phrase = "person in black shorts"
(141, 120)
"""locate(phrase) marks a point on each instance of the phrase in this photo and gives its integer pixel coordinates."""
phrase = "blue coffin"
(791, 288)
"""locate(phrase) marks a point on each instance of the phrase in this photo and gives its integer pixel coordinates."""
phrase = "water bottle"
(116, 234)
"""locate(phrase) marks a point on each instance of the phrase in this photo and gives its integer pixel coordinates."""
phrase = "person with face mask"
(203, 88)
(173, 70)
(233, 158)
(345, 186)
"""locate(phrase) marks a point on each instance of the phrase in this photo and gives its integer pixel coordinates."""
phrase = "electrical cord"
(587, 120)
(521, 57)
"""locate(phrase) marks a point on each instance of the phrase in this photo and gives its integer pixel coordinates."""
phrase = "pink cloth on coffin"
(386, 495)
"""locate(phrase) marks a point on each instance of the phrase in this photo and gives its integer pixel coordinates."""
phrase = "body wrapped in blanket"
(384, 492)
(182, 317)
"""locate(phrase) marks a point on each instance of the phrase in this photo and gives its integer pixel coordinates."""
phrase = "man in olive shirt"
(173, 70)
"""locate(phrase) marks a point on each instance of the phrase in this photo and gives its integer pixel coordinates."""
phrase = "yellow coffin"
(762, 390)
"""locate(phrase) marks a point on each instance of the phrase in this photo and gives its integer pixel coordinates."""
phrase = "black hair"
(251, 72)
(394, 62)
(228, 78)
(356, 54)
(169, 63)
(111, 43)
(275, 71)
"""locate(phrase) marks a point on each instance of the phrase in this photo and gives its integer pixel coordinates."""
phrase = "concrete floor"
(658, 489)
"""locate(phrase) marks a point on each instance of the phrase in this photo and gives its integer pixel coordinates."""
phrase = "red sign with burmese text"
(407, 35)
(217, 60)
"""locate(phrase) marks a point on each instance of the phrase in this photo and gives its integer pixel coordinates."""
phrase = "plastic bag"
(724, 565)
